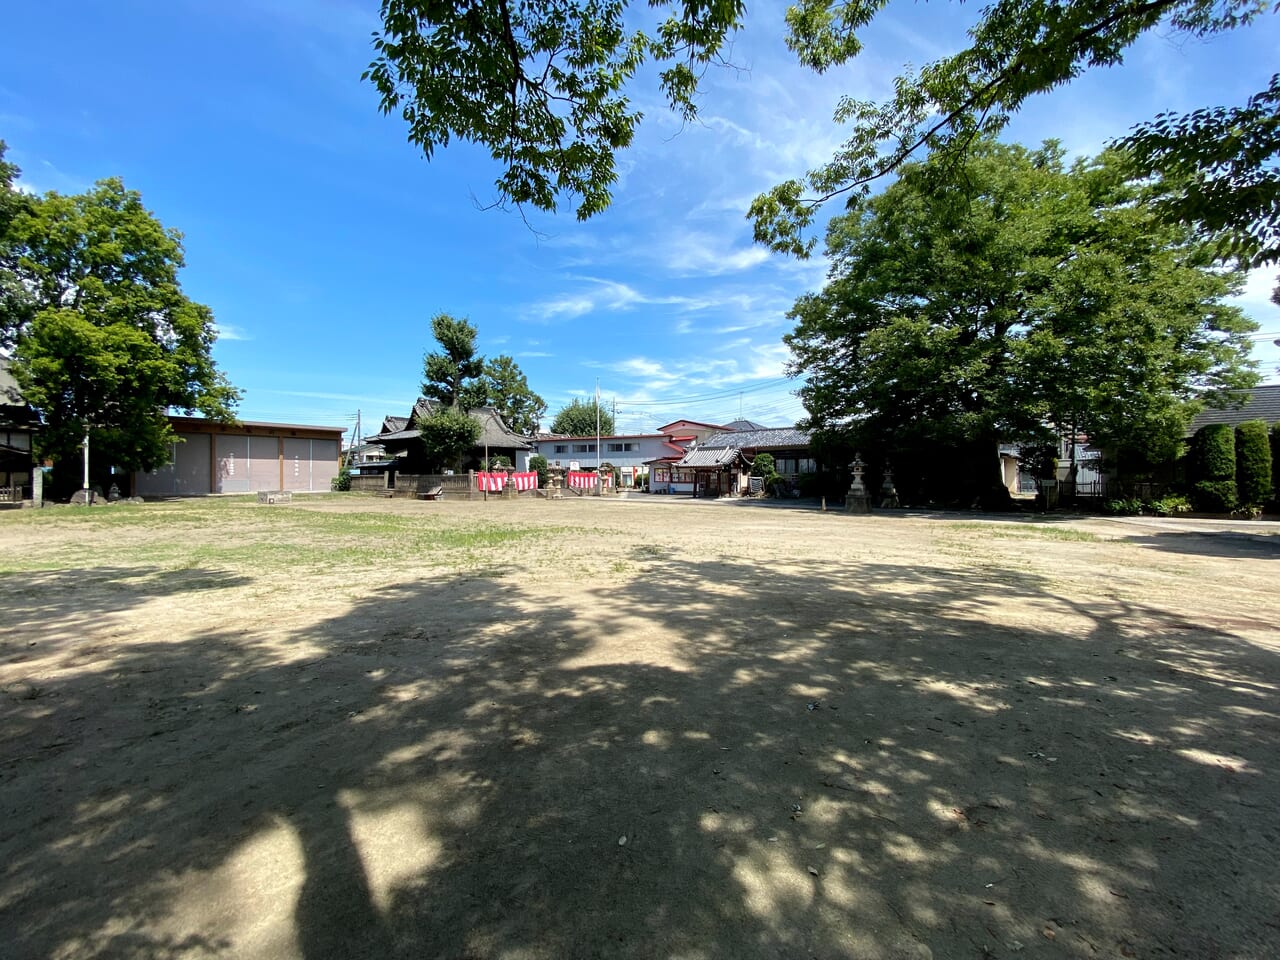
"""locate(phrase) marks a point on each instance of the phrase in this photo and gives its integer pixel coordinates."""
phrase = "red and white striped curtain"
(585, 480)
(495, 482)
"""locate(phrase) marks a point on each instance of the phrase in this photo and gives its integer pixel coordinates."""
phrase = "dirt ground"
(634, 729)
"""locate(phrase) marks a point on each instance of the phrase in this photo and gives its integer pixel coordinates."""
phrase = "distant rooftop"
(1263, 404)
(768, 438)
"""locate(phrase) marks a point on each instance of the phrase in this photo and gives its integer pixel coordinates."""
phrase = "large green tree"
(509, 394)
(1007, 298)
(104, 340)
(542, 85)
(578, 419)
(452, 376)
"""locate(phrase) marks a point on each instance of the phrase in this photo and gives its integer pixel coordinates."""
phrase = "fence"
(1100, 489)
(458, 486)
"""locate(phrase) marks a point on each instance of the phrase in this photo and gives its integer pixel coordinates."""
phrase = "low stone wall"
(458, 486)
(374, 483)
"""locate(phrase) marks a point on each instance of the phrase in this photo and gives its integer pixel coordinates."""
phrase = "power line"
(726, 394)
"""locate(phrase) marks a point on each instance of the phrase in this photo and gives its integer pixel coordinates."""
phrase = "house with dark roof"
(721, 464)
(400, 439)
(1262, 403)
(18, 423)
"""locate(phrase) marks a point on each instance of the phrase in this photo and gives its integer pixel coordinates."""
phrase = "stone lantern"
(555, 482)
(888, 492)
(856, 500)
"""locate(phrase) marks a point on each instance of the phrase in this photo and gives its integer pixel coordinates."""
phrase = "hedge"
(1253, 463)
(1213, 488)
(1214, 496)
(1275, 458)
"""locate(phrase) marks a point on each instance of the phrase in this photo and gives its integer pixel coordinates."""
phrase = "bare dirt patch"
(356, 728)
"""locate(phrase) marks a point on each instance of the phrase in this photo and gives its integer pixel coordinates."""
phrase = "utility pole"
(86, 465)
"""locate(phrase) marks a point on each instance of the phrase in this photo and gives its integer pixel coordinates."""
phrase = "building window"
(620, 447)
(562, 448)
(584, 448)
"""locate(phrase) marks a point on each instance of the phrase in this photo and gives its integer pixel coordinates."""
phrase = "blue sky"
(324, 242)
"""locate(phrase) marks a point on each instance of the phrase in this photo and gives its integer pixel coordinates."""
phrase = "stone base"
(275, 496)
(857, 504)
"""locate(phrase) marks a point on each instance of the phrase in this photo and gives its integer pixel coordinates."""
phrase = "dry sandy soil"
(357, 728)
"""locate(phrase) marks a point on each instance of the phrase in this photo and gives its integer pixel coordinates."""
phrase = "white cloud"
(228, 331)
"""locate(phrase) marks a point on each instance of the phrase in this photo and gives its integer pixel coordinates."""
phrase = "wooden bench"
(435, 493)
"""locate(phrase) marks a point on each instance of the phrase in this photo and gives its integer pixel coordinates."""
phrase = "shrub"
(807, 483)
(1214, 496)
(342, 481)
(1123, 507)
(1169, 506)
(1216, 452)
(1213, 469)
(538, 464)
(763, 465)
(1253, 463)
(1275, 459)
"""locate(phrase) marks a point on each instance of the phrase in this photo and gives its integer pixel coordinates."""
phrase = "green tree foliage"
(1005, 300)
(447, 434)
(763, 465)
(452, 375)
(103, 338)
(15, 306)
(509, 394)
(578, 419)
(538, 464)
(1223, 159)
(540, 84)
(1213, 468)
(453, 378)
(1253, 463)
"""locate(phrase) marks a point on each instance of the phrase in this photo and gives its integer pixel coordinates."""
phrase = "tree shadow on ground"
(818, 762)
(1228, 545)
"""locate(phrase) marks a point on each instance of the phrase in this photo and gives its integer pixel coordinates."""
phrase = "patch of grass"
(1025, 531)
(238, 534)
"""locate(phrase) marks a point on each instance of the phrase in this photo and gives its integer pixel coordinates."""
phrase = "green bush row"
(1233, 467)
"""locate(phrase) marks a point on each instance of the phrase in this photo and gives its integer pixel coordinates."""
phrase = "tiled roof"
(1263, 404)
(493, 431)
(705, 456)
(544, 437)
(696, 423)
(766, 439)
(740, 425)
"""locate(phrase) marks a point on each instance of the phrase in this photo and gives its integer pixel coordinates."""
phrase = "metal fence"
(1094, 490)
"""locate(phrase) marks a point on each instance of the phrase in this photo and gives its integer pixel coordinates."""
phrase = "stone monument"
(888, 492)
(856, 500)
